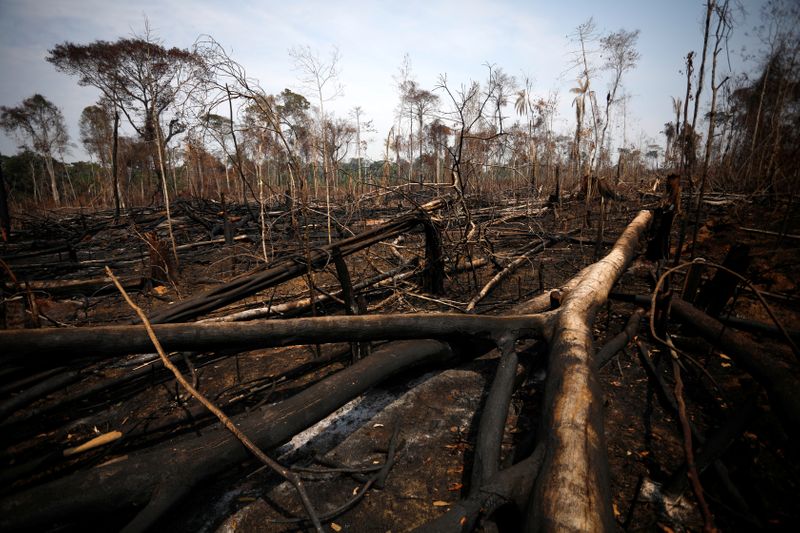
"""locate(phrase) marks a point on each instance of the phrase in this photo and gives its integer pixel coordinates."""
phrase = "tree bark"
(572, 492)
(114, 341)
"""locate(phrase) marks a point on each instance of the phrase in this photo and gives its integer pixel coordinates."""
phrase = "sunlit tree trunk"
(165, 189)
(48, 162)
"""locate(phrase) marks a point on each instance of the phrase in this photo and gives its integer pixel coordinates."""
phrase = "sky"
(453, 38)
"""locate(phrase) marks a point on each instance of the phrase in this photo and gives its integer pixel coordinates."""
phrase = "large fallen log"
(113, 341)
(778, 378)
(572, 491)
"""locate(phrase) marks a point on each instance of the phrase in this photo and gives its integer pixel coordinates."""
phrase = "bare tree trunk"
(358, 145)
(5, 215)
(720, 34)
(48, 162)
(114, 163)
(758, 121)
(410, 145)
(163, 172)
(35, 183)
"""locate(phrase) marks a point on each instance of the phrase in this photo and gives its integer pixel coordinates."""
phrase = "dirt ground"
(434, 412)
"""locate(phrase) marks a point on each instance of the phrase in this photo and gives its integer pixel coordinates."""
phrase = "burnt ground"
(435, 411)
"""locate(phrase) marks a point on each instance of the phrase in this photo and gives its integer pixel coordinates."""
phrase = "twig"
(376, 479)
(503, 273)
(250, 445)
(694, 476)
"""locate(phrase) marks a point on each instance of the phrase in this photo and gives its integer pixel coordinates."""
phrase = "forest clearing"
(229, 320)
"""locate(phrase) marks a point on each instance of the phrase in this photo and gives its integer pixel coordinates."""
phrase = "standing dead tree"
(319, 77)
(619, 49)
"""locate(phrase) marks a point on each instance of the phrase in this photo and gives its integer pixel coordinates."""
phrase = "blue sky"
(455, 38)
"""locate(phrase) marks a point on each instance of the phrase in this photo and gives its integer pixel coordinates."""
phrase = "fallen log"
(511, 267)
(91, 286)
(149, 482)
(770, 233)
(620, 340)
(572, 491)
(509, 486)
(493, 418)
(113, 341)
(286, 268)
(777, 377)
(295, 307)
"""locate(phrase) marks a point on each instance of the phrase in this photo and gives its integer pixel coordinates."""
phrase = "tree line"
(173, 121)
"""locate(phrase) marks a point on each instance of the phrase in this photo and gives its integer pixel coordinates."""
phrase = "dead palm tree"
(524, 107)
(669, 132)
(677, 104)
(580, 106)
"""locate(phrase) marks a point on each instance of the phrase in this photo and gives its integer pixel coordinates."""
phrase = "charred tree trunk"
(571, 491)
(5, 215)
(114, 341)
